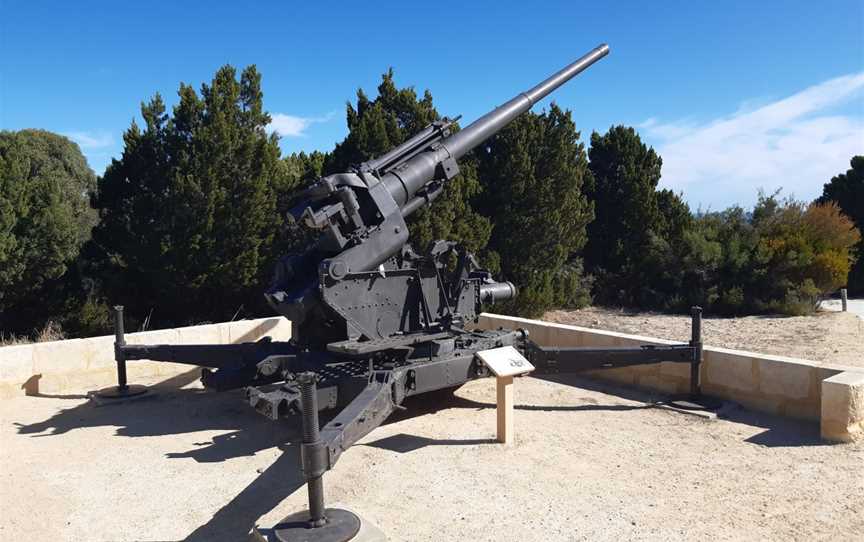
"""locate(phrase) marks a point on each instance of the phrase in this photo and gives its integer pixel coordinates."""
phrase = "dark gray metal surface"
(360, 280)
(405, 182)
(374, 320)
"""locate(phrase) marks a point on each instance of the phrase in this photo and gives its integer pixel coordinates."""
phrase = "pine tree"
(44, 220)
(189, 223)
(847, 190)
(376, 126)
(533, 173)
(628, 219)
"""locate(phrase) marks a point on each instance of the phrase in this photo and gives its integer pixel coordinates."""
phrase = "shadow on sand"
(779, 431)
(173, 410)
(170, 410)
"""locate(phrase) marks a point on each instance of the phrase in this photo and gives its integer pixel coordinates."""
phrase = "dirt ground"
(827, 337)
(590, 463)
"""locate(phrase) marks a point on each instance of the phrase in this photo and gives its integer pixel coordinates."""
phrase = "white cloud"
(797, 143)
(91, 140)
(293, 126)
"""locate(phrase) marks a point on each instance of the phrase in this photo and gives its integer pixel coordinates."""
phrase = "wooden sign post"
(505, 363)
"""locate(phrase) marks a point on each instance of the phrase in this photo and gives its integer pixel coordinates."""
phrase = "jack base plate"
(694, 403)
(116, 392)
(341, 526)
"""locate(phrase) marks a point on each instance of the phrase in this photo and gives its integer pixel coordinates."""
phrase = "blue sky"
(734, 95)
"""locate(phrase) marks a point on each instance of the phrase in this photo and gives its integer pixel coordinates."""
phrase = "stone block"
(621, 375)
(600, 339)
(761, 403)
(565, 337)
(628, 341)
(282, 330)
(157, 336)
(206, 334)
(784, 378)
(657, 383)
(652, 369)
(16, 362)
(52, 384)
(803, 410)
(541, 335)
(90, 380)
(142, 369)
(60, 356)
(251, 330)
(842, 407)
(729, 370)
(99, 352)
(675, 370)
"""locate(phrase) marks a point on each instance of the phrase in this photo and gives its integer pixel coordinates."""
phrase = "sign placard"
(505, 361)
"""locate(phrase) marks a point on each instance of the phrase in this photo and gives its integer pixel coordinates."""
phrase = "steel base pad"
(341, 526)
(117, 392)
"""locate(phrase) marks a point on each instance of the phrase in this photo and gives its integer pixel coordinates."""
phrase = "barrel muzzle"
(497, 291)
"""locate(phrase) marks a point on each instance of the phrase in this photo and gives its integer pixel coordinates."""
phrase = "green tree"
(802, 254)
(847, 190)
(664, 282)
(781, 257)
(44, 219)
(189, 225)
(628, 220)
(376, 126)
(533, 172)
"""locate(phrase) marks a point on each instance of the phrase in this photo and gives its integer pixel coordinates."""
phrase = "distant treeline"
(186, 225)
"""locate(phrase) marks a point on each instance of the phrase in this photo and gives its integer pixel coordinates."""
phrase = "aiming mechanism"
(374, 320)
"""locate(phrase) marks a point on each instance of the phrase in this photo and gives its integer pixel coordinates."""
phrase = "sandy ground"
(826, 337)
(590, 463)
(855, 306)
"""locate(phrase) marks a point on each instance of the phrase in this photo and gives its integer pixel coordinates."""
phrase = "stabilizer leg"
(318, 523)
(321, 450)
(122, 390)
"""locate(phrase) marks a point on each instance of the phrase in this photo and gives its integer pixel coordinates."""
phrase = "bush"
(44, 221)
(783, 257)
(847, 191)
(189, 223)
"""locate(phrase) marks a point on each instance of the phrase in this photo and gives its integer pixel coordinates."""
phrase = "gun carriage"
(375, 321)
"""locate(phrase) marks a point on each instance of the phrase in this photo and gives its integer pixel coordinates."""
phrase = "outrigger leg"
(321, 449)
(122, 390)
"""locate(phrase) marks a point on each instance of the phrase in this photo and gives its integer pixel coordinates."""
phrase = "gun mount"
(373, 320)
(361, 260)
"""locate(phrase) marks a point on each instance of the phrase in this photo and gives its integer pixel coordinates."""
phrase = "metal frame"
(374, 321)
(371, 390)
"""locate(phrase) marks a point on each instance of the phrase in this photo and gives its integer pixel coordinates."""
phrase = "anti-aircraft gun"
(375, 321)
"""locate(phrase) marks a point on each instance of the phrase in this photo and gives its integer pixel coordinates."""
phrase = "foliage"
(783, 257)
(376, 126)
(847, 191)
(189, 225)
(533, 172)
(50, 331)
(634, 240)
(191, 217)
(44, 220)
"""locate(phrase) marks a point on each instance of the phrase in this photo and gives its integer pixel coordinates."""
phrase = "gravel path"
(587, 465)
(826, 337)
(855, 306)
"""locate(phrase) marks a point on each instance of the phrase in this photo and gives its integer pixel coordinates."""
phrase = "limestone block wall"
(80, 365)
(843, 407)
(797, 388)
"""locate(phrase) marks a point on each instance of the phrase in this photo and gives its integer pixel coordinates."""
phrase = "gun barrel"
(487, 125)
(404, 183)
